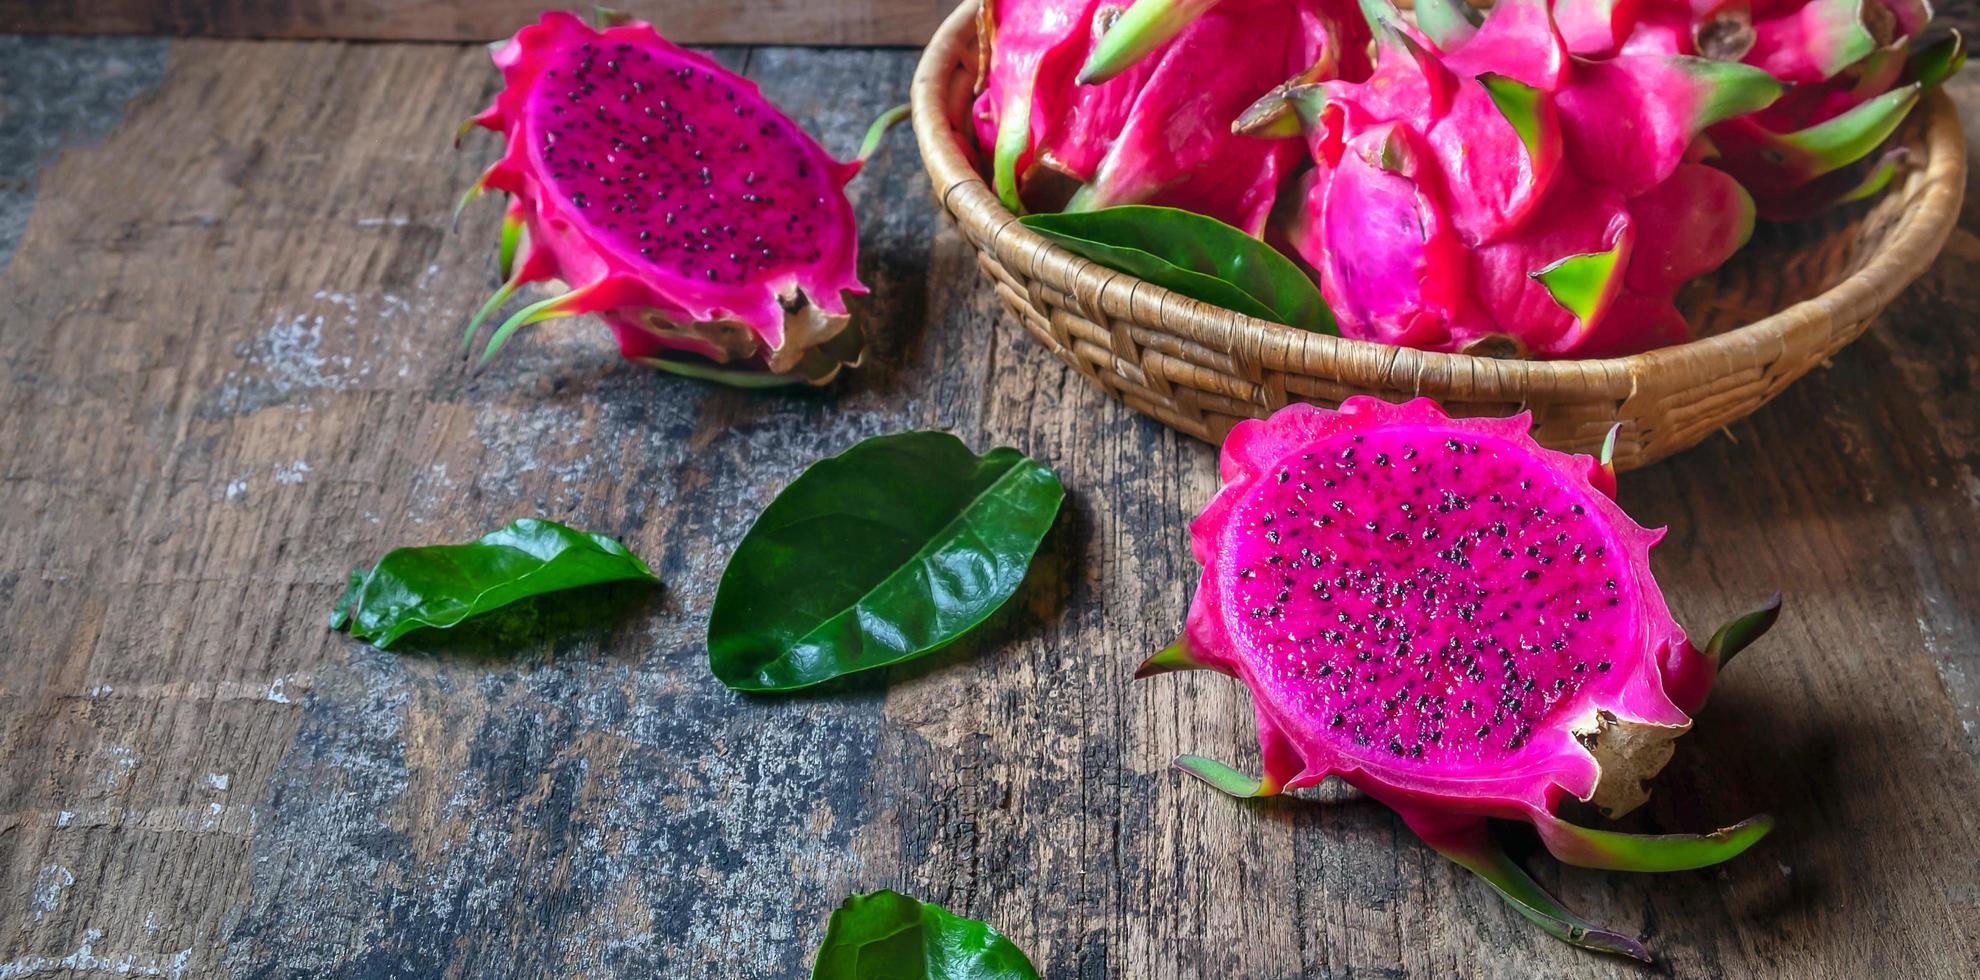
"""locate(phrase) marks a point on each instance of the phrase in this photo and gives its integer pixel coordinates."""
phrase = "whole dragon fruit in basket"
(1485, 191)
(1137, 107)
(1459, 623)
(673, 201)
(1851, 83)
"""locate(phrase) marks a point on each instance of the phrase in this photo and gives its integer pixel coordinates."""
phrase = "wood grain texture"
(818, 22)
(227, 376)
(812, 22)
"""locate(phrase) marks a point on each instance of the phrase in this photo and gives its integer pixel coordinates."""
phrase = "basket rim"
(1899, 257)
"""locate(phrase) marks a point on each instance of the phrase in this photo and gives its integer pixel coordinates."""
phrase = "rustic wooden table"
(228, 315)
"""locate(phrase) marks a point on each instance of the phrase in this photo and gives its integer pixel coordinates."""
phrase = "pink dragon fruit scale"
(1852, 80)
(1124, 103)
(1483, 191)
(1461, 624)
(664, 194)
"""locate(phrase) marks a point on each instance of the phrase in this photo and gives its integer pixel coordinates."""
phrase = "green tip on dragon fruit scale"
(1448, 23)
(1147, 25)
(1585, 284)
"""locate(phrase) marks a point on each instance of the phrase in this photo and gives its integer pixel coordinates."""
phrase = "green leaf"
(886, 552)
(888, 936)
(1197, 256)
(440, 586)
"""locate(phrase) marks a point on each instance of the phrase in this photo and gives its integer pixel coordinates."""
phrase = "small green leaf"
(440, 586)
(888, 936)
(889, 551)
(1197, 256)
(341, 615)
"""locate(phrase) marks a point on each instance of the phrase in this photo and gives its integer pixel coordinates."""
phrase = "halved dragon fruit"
(1458, 622)
(1137, 107)
(674, 201)
(1485, 191)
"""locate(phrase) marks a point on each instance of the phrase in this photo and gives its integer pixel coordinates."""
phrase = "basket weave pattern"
(1780, 307)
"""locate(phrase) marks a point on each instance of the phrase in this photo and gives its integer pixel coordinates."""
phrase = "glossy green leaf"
(888, 936)
(442, 585)
(886, 552)
(1197, 256)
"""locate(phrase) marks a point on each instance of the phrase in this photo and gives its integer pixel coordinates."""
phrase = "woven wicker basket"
(1779, 308)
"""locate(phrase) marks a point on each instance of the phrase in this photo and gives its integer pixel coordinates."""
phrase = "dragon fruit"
(1851, 83)
(1457, 622)
(1483, 192)
(1139, 110)
(674, 202)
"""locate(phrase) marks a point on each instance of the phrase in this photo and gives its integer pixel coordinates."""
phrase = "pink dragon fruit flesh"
(1135, 105)
(1458, 622)
(669, 198)
(1485, 191)
(1852, 82)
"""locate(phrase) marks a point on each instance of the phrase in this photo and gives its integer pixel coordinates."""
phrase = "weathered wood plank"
(811, 22)
(227, 375)
(827, 22)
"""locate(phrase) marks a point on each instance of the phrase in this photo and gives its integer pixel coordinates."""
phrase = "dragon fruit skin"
(675, 203)
(1851, 83)
(1156, 130)
(1539, 209)
(1458, 622)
